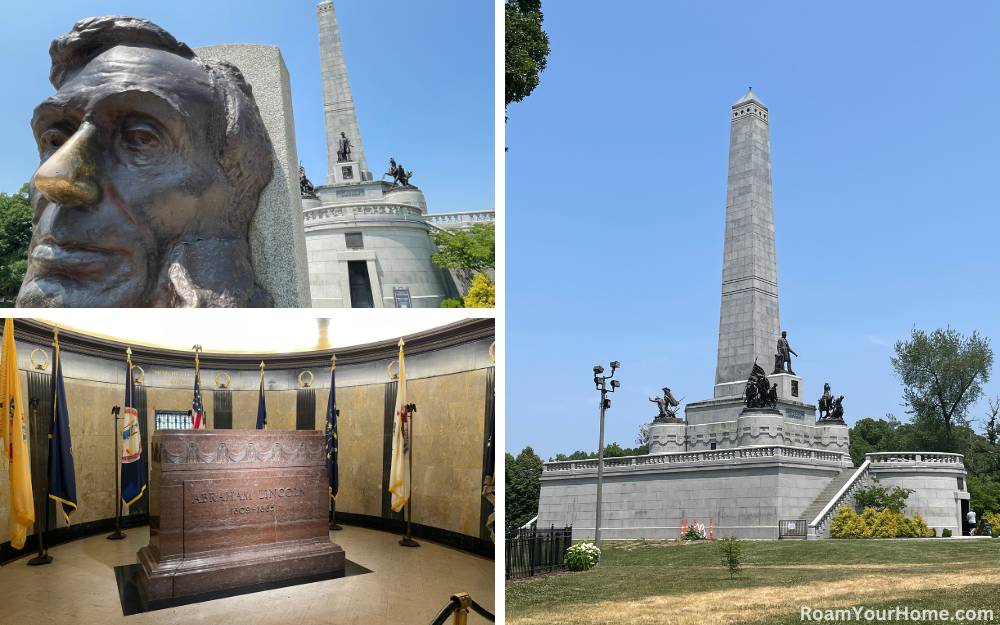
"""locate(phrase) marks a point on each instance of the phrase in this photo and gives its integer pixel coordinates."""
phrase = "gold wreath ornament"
(220, 384)
(492, 356)
(306, 384)
(142, 374)
(392, 376)
(38, 366)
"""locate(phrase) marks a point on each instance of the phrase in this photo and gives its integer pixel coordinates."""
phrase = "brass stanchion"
(117, 534)
(42, 557)
(462, 613)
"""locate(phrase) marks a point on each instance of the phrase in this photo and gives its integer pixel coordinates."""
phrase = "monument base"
(667, 436)
(240, 566)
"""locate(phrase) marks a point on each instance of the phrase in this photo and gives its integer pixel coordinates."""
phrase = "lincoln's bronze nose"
(69, 177)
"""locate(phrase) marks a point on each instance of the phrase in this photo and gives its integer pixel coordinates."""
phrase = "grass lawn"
(685, 583)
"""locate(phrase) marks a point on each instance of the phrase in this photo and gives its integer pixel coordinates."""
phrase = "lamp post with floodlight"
(600, 381)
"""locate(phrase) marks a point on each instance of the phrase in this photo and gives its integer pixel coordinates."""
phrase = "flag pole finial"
(401, 343)
(333, 359)
(129, 351)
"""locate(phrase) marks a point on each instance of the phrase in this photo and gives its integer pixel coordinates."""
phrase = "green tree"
(731, 552)
(523, 485)
(15, 234)
(880, 498)
(527, 48)
(942, 374)
(869, 436)
(474, 249)
(984, 494)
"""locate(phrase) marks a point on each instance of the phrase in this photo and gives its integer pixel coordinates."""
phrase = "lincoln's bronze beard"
(141, 198)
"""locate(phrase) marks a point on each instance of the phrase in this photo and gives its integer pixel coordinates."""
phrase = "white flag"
(399, 473)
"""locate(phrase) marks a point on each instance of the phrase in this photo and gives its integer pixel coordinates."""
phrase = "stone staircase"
(827, 494)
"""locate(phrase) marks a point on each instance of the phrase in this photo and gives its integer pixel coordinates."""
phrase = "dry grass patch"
(724, 607)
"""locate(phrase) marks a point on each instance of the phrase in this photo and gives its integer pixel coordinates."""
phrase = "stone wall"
(746, 501)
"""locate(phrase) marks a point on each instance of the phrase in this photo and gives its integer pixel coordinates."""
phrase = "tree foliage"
(880, 498)
(15, 234)
(942, 373)
(474, 249)
(731, 552)
(527, 48)
(522, 487)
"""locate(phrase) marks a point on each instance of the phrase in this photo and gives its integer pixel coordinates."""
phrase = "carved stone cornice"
(451, 335)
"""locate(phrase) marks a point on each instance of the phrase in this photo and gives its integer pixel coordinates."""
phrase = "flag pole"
(408, 538)
(55, 371)
(262, 387)
(333, 503)
(197, 348)
(117, 534)
(41, 558)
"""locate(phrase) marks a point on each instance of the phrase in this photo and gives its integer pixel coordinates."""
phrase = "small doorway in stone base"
(361, 284)
(965, 518)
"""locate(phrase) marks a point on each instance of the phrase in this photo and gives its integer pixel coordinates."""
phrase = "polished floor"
(406, 587)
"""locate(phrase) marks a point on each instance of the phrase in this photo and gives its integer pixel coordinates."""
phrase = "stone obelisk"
(338, 103)
(749, 326)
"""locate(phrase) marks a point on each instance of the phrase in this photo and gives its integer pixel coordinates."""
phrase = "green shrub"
(731, 550)
(871, 524)
(453, 302)
(879, 498)
(946, 533)
(582, 556)
(482, 293)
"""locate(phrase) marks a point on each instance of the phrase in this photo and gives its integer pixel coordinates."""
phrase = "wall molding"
(435, 339)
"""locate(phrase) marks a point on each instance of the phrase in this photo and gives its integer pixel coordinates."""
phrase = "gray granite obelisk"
(749, 325)
(338, 103)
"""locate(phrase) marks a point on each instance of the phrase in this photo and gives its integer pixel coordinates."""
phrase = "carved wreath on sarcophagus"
(250, 453)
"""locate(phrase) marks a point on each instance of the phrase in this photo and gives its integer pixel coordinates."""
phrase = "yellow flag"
(399, 470)
(22, 507)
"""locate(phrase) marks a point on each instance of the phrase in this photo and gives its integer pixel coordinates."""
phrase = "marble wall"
(448, 443)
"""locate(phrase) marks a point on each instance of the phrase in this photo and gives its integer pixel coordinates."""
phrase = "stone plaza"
(753, 461)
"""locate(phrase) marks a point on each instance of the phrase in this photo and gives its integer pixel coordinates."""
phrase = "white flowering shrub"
(582, 556)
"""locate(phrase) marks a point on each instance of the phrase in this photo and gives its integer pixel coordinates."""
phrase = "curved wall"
(449, 377)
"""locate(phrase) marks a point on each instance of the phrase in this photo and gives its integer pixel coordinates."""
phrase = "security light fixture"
(616, 365)
(615, 384)
(598, 370)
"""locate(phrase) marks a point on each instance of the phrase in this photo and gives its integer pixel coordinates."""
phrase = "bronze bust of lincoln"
(152, 164)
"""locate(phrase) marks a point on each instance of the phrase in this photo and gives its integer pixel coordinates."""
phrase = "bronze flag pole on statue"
(42, 557)
(117, 534)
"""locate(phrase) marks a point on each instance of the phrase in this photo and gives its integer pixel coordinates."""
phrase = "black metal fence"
(792, 529)
(531, 550)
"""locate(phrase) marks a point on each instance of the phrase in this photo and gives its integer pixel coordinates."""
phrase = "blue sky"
(421, 75)
(883, 121)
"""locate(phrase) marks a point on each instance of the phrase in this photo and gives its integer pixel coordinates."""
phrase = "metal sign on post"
(401, 295)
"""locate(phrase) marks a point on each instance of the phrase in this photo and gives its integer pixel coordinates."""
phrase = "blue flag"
(261, 408)
(331, 437)
(489, 471)
(62, 486)
(133, 466)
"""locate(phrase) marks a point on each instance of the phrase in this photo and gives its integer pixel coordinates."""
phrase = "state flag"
(261, 406)
(399, 472)
(15, 441)
(331, 437)
(62, 485)
(133, 467)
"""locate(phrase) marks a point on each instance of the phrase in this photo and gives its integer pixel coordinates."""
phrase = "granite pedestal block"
(231, 508)
(760, 426)
(666, 437)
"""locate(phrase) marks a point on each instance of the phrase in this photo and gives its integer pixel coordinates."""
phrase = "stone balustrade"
(461, 221)
(315, 215)
(913, 458)
(628, 463)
